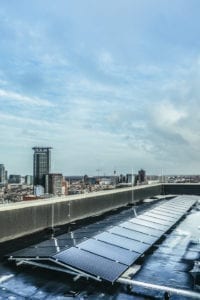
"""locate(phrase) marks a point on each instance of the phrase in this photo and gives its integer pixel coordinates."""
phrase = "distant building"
(41, 164)
(85, 179)
(105, 181)
(28, 179)
(92, 180)
(14, 179)
(3, 174)
(54, 182)
(89, 180)
(65, 186)
(122, 178)
(38, 190)
(130, 179)
(141, 176)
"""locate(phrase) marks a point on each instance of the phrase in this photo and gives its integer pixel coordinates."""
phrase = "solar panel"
(181, 201)
(172, 212)
(158, 217)
(108, 254)
(162, 213)
(109, 251)
(122, 242)
(143, 229)
(177, 204)
(164, 223)
(180, 208)
(71, 239)
(91, 263)
(36, 252)
(175, 207)
(83, 234)
(54, 243)
(148, 224)
(135, 235)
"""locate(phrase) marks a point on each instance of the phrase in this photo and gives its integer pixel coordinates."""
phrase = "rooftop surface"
(168, 263)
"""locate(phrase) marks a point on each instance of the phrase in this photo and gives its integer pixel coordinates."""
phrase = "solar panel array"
(123, 244)
(109, 254)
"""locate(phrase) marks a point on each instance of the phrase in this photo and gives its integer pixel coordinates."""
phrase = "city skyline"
(110, 85)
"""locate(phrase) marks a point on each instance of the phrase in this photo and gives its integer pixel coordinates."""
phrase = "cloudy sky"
(109, 84)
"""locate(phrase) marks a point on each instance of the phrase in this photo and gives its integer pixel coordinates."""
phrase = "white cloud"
(21, 119)
(9, 95)
(105, 59)
(149, 69)
(167, 115)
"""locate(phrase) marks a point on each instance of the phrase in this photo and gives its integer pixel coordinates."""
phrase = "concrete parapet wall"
(182, 188)
(24, 218)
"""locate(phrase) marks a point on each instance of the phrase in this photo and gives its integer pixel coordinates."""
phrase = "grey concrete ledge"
(23, 218)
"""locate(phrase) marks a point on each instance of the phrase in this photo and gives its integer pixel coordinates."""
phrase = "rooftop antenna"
(162, 182)
(52, 221)
(98, 172)
(132, 196)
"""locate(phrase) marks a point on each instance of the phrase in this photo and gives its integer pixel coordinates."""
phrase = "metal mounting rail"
(162, 288)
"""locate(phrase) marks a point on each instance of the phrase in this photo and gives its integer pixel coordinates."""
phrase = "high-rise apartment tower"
(41, 164)
(3, 174)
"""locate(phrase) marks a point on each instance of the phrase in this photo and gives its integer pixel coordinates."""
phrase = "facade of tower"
(3, 174)
(41, 164)
(54, 184)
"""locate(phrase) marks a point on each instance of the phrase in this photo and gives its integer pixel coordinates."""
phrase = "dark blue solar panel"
(172, 212)
(174, 207)
(109, 251)
(91, 264)
(160, 222)
(81, 235)
(162, 213)
(36, 252)
(122, 242)
(180, 211)
(159, 218)
(141, 228)
(54, 243)
(177, 209)
(148, 224)
(178, 201)
(178, 204)
(135, 235)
